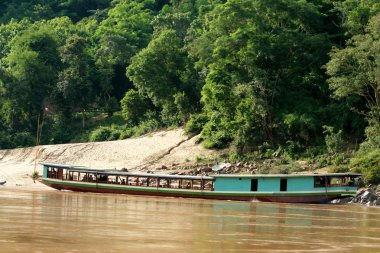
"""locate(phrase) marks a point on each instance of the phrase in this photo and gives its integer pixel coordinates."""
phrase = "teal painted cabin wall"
(301, 184)
(271, 184)
(268, 184)
(232, 184)
(44, 172)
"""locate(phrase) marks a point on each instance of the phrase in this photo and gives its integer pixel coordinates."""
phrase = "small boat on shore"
(3, 182)
(289, 188)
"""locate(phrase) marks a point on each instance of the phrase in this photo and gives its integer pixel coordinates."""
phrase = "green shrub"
(200, 159)
(299, 126)
(133, 106)
(313, 152)
(369, 164)
(5, 141)
(372, 133)
(334, 141)
(338, 169)
(111, 106)
(170, 115)
(104, 134)
(183, 106)
(339, 159)
(148, 125)
(100, 134)
(322, 161)
(216, 132)
(23, 139)
(126, 134)
(294, 149)
(217, 139)
(196, 123)
(55, 130)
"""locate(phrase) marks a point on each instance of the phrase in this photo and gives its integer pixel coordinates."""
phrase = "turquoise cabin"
(286, 182)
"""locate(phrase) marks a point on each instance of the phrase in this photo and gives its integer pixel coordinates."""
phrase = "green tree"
(8, 32)
(125, 31)
(33, 64)
(357, 13)
(160, 71)
(354, 70)
(273, 47)
(74, 84)
(134, 106)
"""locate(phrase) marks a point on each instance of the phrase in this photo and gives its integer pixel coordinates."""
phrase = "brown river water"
(53, 221)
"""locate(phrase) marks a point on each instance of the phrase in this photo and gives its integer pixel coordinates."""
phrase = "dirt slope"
(147, 152)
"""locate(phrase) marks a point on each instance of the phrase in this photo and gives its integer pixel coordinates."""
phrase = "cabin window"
(197, 184)
(164, 183)
(283, 184)
(143, 181)
(337, 181)
(254, 184)
(187, 184)
(55, 173)
(123, 180)
(103, 179)
(175, 183)
(153, 182)
(112, 179)
(88, 177)
(328, 181)
(319, 181)
(133, 181)
(208, 185)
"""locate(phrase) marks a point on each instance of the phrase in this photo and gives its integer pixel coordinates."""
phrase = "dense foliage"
(289, 78)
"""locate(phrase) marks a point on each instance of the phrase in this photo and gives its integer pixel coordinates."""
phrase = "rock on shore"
(369, 196)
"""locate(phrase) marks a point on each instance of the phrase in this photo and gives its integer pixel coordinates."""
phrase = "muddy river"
(54, 221)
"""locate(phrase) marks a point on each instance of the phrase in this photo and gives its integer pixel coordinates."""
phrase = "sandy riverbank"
(142, 153)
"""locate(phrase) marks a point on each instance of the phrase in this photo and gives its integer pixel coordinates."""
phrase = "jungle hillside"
(269, 80)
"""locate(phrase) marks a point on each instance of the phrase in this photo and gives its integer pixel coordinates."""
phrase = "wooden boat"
(3, 182)
(290, 188)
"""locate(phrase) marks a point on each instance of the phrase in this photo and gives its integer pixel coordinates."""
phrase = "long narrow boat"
(290, 188)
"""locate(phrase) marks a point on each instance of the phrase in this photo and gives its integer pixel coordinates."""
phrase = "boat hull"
(285, 197)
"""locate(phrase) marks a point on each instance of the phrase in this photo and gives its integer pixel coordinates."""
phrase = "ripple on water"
(79, 222)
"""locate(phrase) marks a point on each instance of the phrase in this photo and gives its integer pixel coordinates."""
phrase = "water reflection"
(56, 221)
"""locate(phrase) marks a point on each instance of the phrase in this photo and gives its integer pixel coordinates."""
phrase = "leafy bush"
(101, 134)
(111, 106)
(133, 106)
(299, 127)
(105, 134)
(294, 149)
(338, 169)
(55, 129)
(148, 125)
(196, 123)
(334, 141)
(372, 133)
(23, 139)
(216, 132)
(170, 115)
(5, 141)
(369, 164)
(183, 105)
(313, 152)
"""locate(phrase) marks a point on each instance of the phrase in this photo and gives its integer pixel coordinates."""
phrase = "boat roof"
(115, 172)
(285, 175)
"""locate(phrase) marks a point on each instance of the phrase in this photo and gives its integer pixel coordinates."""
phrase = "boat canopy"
(115, 172)
(286, 175)
(83, 169)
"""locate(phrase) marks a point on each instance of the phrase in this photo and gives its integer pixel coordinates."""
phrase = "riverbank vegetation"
(286, 79)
